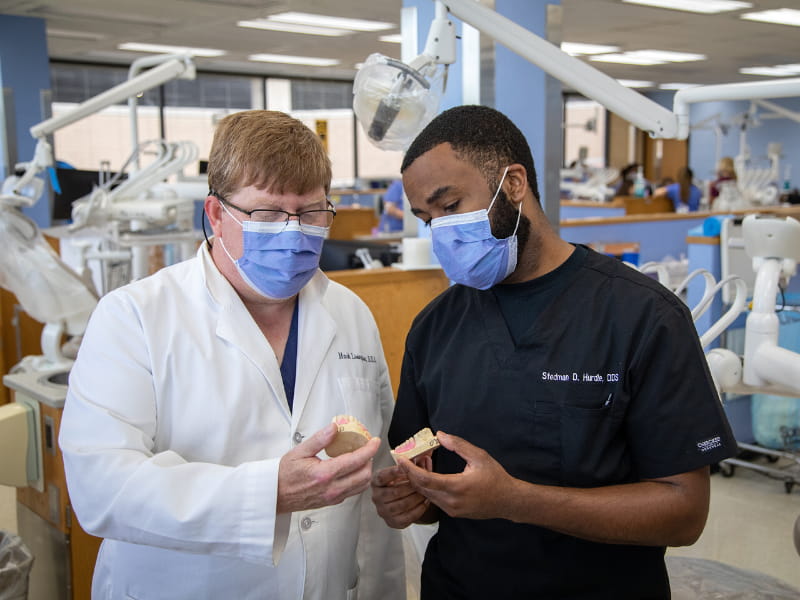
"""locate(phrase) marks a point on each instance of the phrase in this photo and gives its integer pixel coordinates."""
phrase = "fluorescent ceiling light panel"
(665, 55)
(781, 16)
(271, 25)
(576, 48)
(394, 38)
(776, 71)
(625, 59)
(164, 49)
(698, 6)
(75, 35)
(335, 22)
(633, 83)
(294, 60)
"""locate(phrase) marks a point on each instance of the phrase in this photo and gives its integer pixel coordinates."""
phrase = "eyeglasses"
(315, 218)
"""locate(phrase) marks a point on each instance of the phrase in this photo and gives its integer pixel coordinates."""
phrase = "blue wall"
(703, 142)
(657, 239)
(25, 69)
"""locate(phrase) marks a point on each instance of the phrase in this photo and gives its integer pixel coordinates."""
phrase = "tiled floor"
(750, 525)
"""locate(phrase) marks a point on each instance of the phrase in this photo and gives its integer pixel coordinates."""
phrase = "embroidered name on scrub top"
(289, 363)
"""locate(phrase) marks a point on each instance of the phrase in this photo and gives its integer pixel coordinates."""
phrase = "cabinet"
(64, 553)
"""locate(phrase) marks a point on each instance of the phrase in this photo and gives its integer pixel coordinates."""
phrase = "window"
(584, 132)
(189, 110)
(316, 95)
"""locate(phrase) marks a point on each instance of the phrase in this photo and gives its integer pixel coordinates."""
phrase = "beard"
(504, 220)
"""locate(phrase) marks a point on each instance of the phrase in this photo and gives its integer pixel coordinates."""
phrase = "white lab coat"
(174, 425)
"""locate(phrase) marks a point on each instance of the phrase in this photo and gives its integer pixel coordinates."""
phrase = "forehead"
(437, 168)
(252, 197)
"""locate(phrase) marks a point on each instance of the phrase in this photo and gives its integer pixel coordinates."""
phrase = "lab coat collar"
(317, 330)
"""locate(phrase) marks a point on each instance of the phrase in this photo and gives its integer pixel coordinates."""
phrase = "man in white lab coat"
(202, 397)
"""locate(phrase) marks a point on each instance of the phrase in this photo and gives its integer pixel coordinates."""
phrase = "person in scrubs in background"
(391, 220)
(203, 396)
(569, 392)
(683, 193)
(726, 175)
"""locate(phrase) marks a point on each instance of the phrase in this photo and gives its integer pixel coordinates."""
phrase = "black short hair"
(480, 135)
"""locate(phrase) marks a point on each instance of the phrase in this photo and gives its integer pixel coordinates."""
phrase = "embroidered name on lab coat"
(367, 358)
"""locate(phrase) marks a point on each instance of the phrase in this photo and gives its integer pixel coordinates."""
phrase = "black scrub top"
(603, 382)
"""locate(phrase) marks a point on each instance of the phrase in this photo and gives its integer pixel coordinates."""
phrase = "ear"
(516, 183)
(213, 209)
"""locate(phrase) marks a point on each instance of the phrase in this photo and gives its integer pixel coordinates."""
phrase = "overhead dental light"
(392, 100)
(393, 109)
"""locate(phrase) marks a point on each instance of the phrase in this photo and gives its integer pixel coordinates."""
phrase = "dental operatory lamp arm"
(43, 158)
(628, 104)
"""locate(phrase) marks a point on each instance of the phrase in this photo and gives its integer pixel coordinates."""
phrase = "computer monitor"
(341, 254)
(75, 184)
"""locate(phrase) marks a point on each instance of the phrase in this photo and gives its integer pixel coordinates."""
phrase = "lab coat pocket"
(592, 437)
(361, 399)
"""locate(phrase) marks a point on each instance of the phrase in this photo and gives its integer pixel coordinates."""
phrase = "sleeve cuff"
(263, 532)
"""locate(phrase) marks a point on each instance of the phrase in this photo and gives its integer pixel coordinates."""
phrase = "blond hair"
(269, 150)
(726, 164)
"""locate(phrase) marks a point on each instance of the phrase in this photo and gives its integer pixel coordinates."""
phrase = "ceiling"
(90, 30)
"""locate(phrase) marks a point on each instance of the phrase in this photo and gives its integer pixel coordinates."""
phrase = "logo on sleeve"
(709, 445)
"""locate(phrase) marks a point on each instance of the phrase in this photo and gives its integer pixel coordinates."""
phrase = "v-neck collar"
(497, 329)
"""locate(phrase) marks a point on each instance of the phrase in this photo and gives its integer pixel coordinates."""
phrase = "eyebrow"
(432, 199)
(274, 205)
(437, 193)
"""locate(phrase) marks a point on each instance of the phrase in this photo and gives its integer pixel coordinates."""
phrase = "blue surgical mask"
(278, 259)
(468, 251)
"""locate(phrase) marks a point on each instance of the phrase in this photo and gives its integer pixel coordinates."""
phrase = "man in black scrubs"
(569, 392)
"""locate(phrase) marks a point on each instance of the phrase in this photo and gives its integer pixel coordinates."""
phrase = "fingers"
(351, 461)
(402, 514)
(424, 461)
(459, 445)
(386, 476)
(399, 504)
(423, 480)
(314, 444)
(350, 484)
(353, 469)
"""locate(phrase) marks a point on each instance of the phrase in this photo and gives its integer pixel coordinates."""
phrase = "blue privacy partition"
(657, 237)
(582, 210)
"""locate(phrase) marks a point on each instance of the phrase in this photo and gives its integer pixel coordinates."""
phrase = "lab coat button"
(298, 437)
(306, 523)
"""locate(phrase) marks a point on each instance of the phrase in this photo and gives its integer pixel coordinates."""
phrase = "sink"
(59, 378)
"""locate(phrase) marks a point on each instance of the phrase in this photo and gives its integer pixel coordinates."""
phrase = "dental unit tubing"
(761, 328)
(628, 104)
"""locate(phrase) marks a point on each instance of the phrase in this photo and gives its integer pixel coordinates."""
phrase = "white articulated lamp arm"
(632, 106)
(13, 189)
(782, 88)
(628, 104)
(154, 77)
